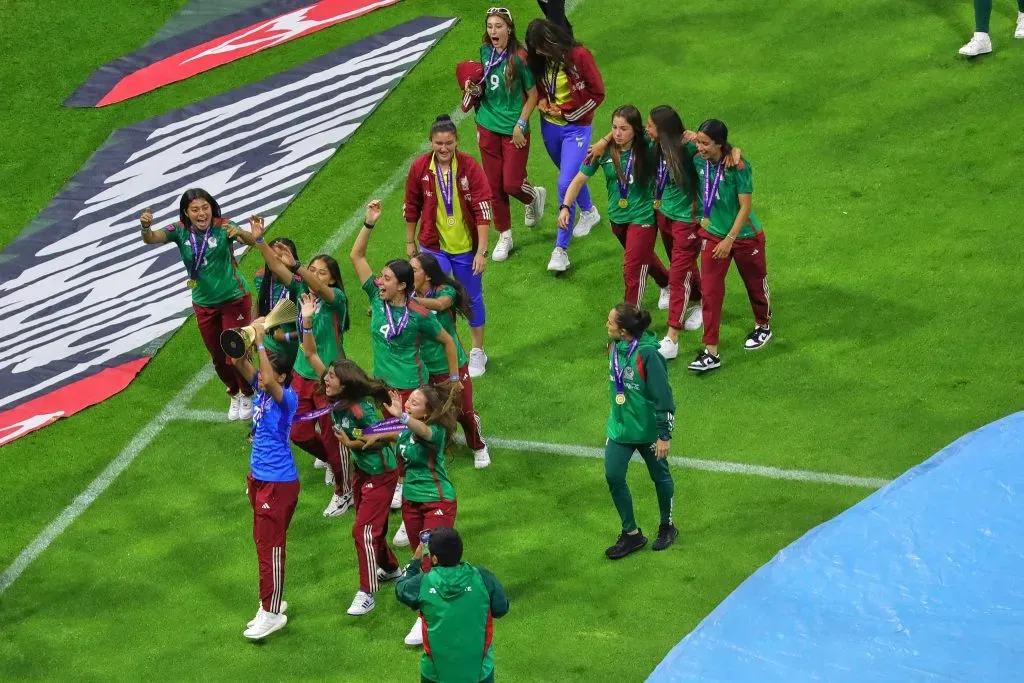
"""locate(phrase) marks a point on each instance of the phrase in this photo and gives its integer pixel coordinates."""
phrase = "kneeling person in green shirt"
(457, 603)
(641, 420)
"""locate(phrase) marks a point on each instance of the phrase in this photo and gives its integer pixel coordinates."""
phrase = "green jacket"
(648, 413)
(457, 605)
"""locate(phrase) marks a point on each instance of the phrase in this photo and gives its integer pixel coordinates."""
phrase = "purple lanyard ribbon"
(391, 425)
(198, 253)
(711, 189)
(314, 414)
(618, 370)
(662, 179)
(493, 61)
(444, 182)
(395, 330)
(624, 187)
(552, 84)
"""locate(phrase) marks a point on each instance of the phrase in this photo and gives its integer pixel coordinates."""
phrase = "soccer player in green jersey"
(355, 406)
(274, 283)
(628, 166)
(641, 420)
(504, 99)
(730, 231)
(220, 295)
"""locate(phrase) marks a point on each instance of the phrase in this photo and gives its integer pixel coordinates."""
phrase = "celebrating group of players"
(383, 437)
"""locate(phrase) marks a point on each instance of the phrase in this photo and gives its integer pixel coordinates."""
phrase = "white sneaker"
(477, 362)
(586, 223)
(559, 262)
(980, 44)
(668, 349)
(265, 624)
(234, 410)
(1019, 33)
(401, 539)
(695, 320)
(245, 407)
(503, 247)
(338, 506)
(328, 476)
(396, 500)
(319, 464)
(252, 622)
(415, 635)
(361, 604)
(384, 576)
(663, 299)
(481, 458)
(535, 209)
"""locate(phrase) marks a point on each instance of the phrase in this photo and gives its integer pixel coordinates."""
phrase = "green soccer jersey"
(360, 416)
(426, 479)
(218, 281)
(500, 107)
(640, 197)
(680, 204)
(434, 357)
(278, 291)
(328, 331)
(648, 411)
(726, 204)
(397, 361)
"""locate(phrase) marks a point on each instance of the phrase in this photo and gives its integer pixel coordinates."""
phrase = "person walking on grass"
(273, 481)
(641, 420)
(457, 603)
(981, 43)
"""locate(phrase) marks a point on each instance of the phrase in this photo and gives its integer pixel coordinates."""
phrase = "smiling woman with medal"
(628, 167)
(448, 195)
(641, 421)
(504, 96)
(354, 412)
(571, 91)
(220, 296)
(729, 231)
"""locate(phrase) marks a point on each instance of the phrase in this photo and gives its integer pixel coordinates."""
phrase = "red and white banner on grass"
(197, 51)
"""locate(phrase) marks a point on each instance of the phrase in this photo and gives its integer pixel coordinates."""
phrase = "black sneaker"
(626, 544)
(666, 536)
(705, 361)
(758, 338)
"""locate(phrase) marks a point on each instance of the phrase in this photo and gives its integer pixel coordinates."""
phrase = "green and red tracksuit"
(457, 605)
(646, 416)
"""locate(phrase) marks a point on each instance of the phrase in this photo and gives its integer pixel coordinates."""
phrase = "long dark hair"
(442, 409)
(719, 134)
(632, 319)
(189, 197)
(264, 295)
(642, 171)
(512, 49)
(356, 384)
(438, 278)
(403, 273)
(335, 271)
(670, 148)
(553, 39)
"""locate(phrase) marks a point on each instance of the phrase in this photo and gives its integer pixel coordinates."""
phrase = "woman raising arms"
(504, 100)
(628, 167)
(447, 194)
(220, 297)
(572, 92)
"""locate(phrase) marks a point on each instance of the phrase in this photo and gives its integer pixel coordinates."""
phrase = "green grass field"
(886, 174)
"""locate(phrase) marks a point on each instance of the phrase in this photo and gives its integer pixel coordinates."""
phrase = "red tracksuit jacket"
(585, 86)
(421, 198)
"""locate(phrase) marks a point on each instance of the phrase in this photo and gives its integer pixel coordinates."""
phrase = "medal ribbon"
(617, 370)
(391, 425)
(552, 84)
(444, 182)
(711, 189)
(314, 414)
(198, 253)
(393, 329)
(661, 179)
(493, 61)
(624, 187)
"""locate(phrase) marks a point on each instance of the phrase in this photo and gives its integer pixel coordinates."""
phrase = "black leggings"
(554, 10)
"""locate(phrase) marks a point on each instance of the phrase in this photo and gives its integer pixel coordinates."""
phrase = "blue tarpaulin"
(921, 581)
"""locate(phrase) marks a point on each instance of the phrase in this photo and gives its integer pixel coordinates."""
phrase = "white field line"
(594, 452)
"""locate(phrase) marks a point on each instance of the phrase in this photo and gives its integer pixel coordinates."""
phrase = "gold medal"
(620, 399)
(623, 203)
(451, 221)
(357, 433)
(657, 204)
(190, 283)
(705, 222)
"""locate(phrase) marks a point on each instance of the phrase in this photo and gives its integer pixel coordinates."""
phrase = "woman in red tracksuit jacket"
(448, 195)
(571, 90)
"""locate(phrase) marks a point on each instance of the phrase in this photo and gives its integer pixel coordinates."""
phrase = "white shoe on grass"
(535, 209)
(319, 464)
(695, 320)
(663, 299)
(235, 408)
(384, 576)
(415, 635)
(328, 476)
(338, 506)
(559, 262)
(586, 223)
(396, 500)
(361, 604)
(245, 407)
(252, 622)
(668, 349)
(477, 362)
(265, 624)
(504, 246)
(481, 458)
(1019, 33)
(401, 539)
(980, 44)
